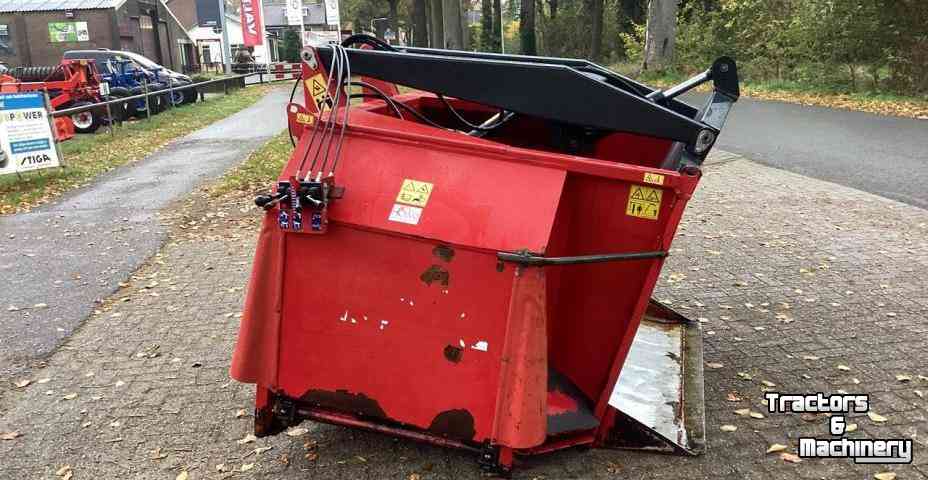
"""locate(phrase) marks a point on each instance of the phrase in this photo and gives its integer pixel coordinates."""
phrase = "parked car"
(112, 62)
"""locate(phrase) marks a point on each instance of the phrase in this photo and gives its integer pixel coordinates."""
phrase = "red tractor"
(72, 83)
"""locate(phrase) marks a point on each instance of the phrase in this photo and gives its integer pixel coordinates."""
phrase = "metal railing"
(232, 81)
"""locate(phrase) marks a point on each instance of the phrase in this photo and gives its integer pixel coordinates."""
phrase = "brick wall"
(28, 41)
(33, 46)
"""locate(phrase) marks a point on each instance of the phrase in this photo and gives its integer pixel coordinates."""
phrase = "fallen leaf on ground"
(156, 454)
(844, 367)
(241, 413)
(885, 476)
(743, 411)
(808, 417)
(789, 457)
(768, 383)
(221, 467)
(70, 396)
(745, 376)
(733, 397)
(876, 417)
(728, 428)
(22, 383)
(776, 447)
(714, 365)
(44, 380)
(63, 470)
(296, 431)
(756, 415)
(247, 466)
(9, 436)
(182, 476)
(248, 439)
(851, 427)
(260, 450)
(904, 378)
(920, 393)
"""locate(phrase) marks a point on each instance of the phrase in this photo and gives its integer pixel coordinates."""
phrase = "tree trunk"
(486, 25)
(596, 29)
(552, 6)
(420, 29)
(465, 28)
(436, 32)
(497, 25)
(392, 20)
(527, 27)
(451, 16)
(659, 37)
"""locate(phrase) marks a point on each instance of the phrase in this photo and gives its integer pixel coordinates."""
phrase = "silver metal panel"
(660, 387)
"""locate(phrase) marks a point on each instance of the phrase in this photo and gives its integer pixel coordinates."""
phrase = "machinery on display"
(72, 83)
(469, 261)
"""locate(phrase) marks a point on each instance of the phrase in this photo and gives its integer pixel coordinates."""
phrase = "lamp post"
(226, 48)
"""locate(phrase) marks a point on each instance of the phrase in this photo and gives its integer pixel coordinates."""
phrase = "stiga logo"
(862, 450)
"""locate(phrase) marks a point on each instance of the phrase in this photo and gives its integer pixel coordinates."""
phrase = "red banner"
(251, 23)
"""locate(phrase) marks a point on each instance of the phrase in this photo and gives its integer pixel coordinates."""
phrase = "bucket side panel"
(593, 305)
(394, 328)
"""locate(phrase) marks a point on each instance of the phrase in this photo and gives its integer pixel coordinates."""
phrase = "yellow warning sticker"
(305, 118)
(644, 202)
(414, 192)
(317, 88)
(655, 178)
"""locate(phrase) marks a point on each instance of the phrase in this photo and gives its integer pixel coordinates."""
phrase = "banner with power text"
(26, 139)
(252, 23)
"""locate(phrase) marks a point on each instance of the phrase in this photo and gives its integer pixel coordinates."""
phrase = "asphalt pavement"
(57, 261)
(884, 155)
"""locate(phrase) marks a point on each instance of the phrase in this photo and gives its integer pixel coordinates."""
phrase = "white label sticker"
(405, 214)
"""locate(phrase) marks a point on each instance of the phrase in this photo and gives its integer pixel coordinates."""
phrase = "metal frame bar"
(540, 261)
(555, 92)
(571, 91)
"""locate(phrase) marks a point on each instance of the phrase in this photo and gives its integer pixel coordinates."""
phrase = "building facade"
(38, 33)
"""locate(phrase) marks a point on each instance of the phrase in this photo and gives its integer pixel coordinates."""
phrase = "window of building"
(145, 22)
(6, 40)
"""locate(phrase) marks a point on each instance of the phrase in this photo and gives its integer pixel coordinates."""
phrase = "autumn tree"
(527, 27)
(660, 34)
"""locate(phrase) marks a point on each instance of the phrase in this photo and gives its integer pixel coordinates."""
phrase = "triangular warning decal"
(318, 87)
(652, 196)
(636, 194)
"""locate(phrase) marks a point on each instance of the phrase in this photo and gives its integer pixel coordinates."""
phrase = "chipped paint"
(461, 341)
(482, 345)
(344, 316)
(383, 324)
(463, 314)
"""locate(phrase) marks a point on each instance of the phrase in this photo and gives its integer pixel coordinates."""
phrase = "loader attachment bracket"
(555, 89)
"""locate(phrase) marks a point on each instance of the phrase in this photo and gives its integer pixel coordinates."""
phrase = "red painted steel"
(416, 328)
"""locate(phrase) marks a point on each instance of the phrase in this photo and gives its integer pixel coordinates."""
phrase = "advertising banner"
(68, 32)
(26, 139)
(207, 13)
(252, 23)
(331, 12)
(294, 12)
